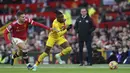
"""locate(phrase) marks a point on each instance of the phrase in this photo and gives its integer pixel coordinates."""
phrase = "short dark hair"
(57, 13)
(84, 8)
(19, 13)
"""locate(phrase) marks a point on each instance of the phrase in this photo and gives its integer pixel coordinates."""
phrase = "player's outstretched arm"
(6, 36)
(65, 30)
(61, 33)
(40, 25)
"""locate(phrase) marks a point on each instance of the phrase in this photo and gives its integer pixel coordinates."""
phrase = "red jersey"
(20, 30)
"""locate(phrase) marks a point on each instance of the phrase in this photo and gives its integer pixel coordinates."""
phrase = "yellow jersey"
(61, 27)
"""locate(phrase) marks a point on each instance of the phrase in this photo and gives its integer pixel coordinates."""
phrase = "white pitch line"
(58, 67)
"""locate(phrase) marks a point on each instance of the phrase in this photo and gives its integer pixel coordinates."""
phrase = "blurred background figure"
(84, 28)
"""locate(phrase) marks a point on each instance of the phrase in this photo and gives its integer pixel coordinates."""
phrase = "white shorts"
(17, 41)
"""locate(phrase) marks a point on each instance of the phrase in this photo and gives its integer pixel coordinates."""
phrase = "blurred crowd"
(103, 12)
(116, 39)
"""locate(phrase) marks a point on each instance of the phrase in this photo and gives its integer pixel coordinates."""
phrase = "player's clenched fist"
(9, 45)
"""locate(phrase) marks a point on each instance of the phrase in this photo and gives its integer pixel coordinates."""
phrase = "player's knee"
(20, 53)
(69, 49)
(48, 50)
(25, 54)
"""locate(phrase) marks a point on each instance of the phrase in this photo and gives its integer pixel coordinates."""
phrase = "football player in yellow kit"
(56, 37)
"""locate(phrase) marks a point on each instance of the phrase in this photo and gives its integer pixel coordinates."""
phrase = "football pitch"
(65, 68)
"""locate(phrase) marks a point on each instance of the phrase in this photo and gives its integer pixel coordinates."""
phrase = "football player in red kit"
(19, 30)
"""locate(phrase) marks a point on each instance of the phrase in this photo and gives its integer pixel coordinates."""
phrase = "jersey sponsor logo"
(18, 29)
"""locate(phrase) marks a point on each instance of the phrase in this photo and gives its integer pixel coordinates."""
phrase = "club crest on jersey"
(25, 26)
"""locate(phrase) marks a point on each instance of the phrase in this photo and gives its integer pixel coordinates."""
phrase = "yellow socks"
(65, 51)
(41, 57)
(44, 54)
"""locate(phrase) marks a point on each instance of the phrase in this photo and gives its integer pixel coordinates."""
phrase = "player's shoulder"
(28, 19)
(14, 23)
(55, 21)
(11, 24)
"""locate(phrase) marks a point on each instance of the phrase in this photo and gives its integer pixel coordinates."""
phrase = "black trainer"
(12, 60)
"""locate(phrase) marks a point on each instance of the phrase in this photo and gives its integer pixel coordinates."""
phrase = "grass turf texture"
(66, 68)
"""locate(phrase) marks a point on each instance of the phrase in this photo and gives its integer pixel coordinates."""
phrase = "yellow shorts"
(51, 41)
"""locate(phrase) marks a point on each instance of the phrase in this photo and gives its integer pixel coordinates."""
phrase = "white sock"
(35, 65)
(27, 64)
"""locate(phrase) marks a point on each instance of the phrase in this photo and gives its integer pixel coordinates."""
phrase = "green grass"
(98, 68)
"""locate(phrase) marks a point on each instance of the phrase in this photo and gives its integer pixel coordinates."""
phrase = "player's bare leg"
(15, 54)
(21, 51)
(41, 57)
(24, 54)
(67, 49)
